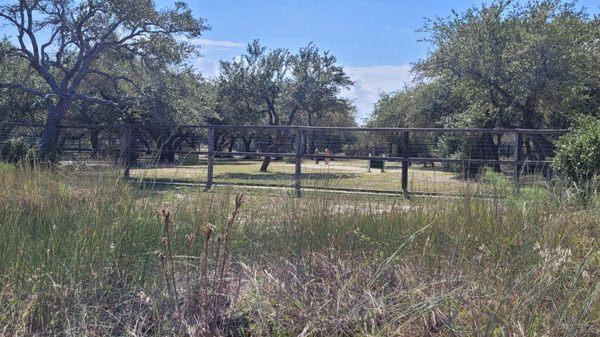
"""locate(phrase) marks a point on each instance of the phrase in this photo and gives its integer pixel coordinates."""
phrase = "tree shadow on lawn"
(246, 162)
(285, 176)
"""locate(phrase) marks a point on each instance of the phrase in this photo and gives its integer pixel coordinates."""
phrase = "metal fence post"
(298, 168)
(405, 161)
(210, 160)
(517, 157)
(126, 153)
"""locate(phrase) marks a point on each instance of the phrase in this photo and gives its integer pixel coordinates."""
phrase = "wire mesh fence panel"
(83, 144)
(91, 145)
(397, 160)
(261, 156)
(454, 160)
(350, 159)
(21, 132)
(167, 154)
(537, 153)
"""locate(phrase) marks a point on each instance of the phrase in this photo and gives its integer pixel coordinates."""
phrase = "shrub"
(577, 157)
(15, 151)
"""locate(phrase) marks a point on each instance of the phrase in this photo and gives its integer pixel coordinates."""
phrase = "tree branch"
(113, 78)
(26, 89)
(29, 29)
(45, 57)
(121, 105)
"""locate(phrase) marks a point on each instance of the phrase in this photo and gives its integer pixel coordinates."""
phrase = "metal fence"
(391, 160)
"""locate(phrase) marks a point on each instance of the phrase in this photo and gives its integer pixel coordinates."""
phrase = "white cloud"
(400, 30)
(220, 45)
(208, 67)
(212, 51)
(370, 82)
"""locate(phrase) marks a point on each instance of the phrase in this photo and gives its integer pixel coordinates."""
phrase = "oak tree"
(64, 41)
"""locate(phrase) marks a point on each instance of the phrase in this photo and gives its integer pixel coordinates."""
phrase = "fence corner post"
(405, 161)
(517, 157)
(298, 166)
(210, 159)
(126, 153)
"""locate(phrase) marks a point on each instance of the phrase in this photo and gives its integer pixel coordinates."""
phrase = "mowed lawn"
(339, 174)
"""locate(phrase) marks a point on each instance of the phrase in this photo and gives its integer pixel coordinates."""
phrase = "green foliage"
(503, 65)
(416, 106)
(65, 44)
(500, 65)
(278, 87)
(517, 65)
(578, 152)
(16, 151)
(16, 106)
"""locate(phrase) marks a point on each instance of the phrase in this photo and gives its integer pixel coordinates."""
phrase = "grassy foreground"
(90, 255)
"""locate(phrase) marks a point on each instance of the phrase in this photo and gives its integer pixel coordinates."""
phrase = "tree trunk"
(5, 132)
(231, 144)
(49, 138)
(247, 144)
(219, 142)
(167, 153)
(309, 145)
(164, 146)
(227, 143)
(94, 133)
(271, 148)
(265, 164)
(486, 149)
(543, 148)
(490, 150)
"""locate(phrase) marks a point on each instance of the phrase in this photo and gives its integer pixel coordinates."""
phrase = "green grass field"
(339, 174)
(83, 253)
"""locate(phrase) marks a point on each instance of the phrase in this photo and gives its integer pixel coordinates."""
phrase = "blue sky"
(374, 40)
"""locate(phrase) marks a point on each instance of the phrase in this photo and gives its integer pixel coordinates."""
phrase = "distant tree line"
(96, 62)
(108, 62)
(502, 65)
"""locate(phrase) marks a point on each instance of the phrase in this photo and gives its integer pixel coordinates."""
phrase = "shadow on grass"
(141, 188)
(247, 162)
(285, 176)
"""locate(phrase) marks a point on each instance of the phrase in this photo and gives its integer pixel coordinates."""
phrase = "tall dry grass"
(90, 255)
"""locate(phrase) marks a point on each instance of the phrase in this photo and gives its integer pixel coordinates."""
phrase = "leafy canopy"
(279, 87)
(66, 41)
(528, 66)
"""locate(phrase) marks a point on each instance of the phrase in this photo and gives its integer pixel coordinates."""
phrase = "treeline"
(502, 65)
(98, 62)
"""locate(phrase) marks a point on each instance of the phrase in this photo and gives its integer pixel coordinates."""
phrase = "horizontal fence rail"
(398, 160)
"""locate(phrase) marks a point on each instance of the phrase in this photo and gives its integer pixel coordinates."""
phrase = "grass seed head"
(239, 200)
(166, 214)
(207, 231)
